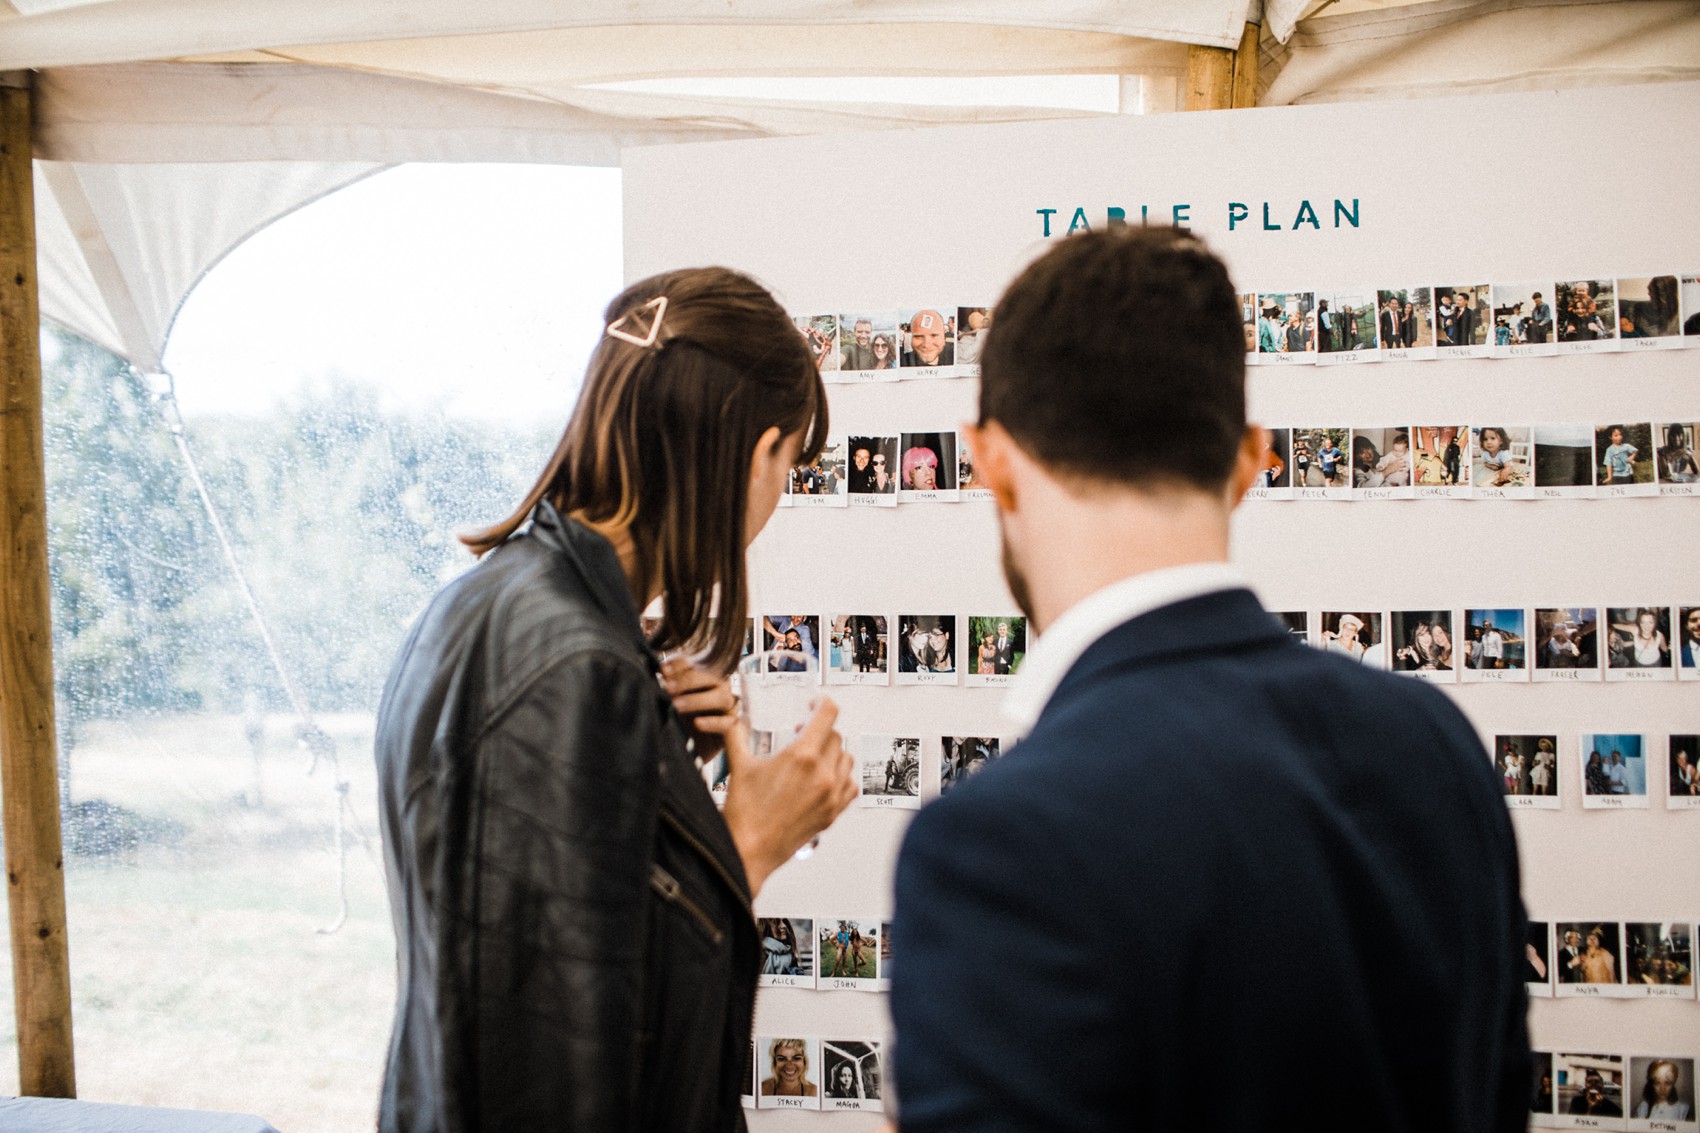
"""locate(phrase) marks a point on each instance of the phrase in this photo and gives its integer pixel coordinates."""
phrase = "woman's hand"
(775, 806)
(705, 702)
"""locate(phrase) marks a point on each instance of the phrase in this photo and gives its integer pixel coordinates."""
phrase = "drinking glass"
(780, 690)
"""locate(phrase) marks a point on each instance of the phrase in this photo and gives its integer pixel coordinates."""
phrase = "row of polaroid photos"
(1474, 320)
(1344, 326)
(890, 768)
(1600, 959)
(1513, 643)
(890, 345)
(1612, 1091)
(803, 1072)
(825, 953)
(1459, 461)
(1613, 769)
(1319, 462)
(858, 649)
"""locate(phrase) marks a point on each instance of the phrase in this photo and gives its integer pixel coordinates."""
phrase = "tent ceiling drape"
(168, 130)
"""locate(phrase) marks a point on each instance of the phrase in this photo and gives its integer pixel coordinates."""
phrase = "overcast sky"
(477, 289)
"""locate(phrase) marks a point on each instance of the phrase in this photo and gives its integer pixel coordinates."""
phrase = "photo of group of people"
(859, 649)
(1612, 1091)
(802, 1072)
(1471, 320)
(1528, 769)
(939, 341)
(1504, 643)
(1615, 959)
(1614, 770)
(963, 756)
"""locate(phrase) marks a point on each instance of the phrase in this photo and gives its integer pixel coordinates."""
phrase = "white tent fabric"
(168, 130)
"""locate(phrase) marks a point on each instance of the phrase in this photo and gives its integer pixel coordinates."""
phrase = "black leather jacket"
(574, 942)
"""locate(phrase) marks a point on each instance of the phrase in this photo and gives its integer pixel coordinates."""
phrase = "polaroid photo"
(1587, 959)
(853, 1075)
(1688, 643)
(1528, 771)
(929, 342)
(1638, 644)
(1587, 316)
(1345, 328)
(1649, 313)
(1659, 960)
(1502, 468)
(849, 953)
(1461, 320)
(859, 650)
(822, 481)
(885, 951)
(1690, 287)
(1320, 468)
(1661, 1093)
(820, 332)
(1678, 464)
(1496, 645)
(1248, 324)
(1354, 634)
(1441, 461)
(1404, 322)
(972, 323)
(1614, 771)
(1537, 958)
(871, 471)
(1295, 622)
(787, 951)
(927, 649)
(997, 644)
(966, 485)
(717, 774)
(926, 467)
(1684, 760)
(1588, 1090)
(1274, 478)
(1540, 1085)
(891, 771)
(1625, 462)
(1381, 464)
(1567, 644)
(747, 1088)
(1564, 462)
(962, 756)
(1523, 324)
(868, 347)
(1286, 328)
(794, 633)
(1422, 644)
(789, 1069)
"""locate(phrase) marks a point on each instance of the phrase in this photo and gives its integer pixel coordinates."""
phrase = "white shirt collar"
(1054, 653)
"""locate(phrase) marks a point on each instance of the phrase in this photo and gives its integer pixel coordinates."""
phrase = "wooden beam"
(1245, 67)
(29, 777)
(1209, 77)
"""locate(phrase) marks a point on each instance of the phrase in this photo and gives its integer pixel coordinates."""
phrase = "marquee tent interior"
(165, 132)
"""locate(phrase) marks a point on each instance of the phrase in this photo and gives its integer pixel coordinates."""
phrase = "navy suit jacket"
(1227, 882)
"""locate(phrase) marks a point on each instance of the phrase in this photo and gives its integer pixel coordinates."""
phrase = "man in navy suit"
(1225, 881)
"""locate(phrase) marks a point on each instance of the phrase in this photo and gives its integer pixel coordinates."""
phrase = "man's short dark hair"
(1119, 356)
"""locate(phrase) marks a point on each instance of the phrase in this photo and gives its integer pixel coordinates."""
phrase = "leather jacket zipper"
(695, 843)
(668, 886)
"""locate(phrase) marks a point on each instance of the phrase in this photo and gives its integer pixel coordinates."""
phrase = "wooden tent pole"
(29, 775)
(1209, 77)
(1245, 67)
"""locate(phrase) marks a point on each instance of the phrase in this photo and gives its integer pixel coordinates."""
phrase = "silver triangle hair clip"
(616, 329)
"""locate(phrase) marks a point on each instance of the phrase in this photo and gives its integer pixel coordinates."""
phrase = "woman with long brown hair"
(575, 942)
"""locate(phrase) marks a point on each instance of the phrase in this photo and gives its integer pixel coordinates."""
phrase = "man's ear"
(993, 448)
(1248, 463)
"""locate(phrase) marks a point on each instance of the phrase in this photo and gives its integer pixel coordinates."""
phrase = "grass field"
(200, 978)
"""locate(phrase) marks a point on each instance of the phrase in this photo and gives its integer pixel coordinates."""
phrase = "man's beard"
(1012, 574)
